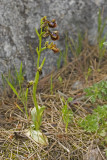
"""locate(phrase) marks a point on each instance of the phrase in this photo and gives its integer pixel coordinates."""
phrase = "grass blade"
(19, 107)
(11, 86)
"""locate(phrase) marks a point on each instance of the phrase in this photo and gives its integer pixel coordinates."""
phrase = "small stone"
(77, 85)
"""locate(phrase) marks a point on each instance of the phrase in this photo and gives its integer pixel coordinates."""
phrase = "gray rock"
(18, 19)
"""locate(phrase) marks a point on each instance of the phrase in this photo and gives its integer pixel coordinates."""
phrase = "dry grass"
(73, 145)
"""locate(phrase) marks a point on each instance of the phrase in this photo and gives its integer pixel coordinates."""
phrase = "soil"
(76, 144)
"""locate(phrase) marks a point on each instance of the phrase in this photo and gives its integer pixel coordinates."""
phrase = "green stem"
(39, 52)
(34, 90)
(37, 75)
(38, 60)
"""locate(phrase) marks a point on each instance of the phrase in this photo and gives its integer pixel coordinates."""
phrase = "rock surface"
(18, 19)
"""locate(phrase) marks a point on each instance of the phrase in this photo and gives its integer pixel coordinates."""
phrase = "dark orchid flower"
(51, 24)
(54, 35)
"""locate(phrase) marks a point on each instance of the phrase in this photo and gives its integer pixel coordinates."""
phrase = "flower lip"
(54, 35)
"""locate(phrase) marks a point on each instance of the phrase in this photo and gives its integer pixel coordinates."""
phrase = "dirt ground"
(76, 144)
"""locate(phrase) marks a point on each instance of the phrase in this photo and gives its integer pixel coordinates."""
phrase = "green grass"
(67, 114)
(96, 122)
(97, 92)
(18, 90)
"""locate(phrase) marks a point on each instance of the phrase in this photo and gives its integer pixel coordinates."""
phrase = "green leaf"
(37, 32)
(41, 110)
(90, 123)
(67, 115)
(42, 62)
(40, 113)
(97, 91)
(34, 115)
(19, 76)
(11, 86)
(69, 99)
(101, 111)
(37, 116)
(60, 79)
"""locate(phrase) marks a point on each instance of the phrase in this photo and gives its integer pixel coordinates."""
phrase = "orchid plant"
(37, 111)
